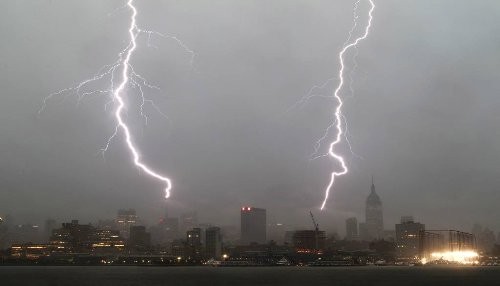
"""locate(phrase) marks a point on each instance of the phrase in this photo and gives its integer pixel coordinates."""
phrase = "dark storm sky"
(424, 116)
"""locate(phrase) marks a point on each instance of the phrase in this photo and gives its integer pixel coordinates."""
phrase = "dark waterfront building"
(50, 225)
(107, 241)
(351, 228)
(193, 243)
(139, 240)
(485, 238)
(276, 232)
(124, 220)
(253, 225)
(73, 237)
(374, 222)
(166, 231)
(213, 243)
(309, 240)
(178, 248)
(408, 237)
(188, 221)
(84, 238)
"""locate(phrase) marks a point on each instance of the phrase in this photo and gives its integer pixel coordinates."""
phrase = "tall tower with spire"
(374, 215)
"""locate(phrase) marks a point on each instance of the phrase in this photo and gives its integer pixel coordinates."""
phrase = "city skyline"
(256, 142)
(254, 219)
(187, 219)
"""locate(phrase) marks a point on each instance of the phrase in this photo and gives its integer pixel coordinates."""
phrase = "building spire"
(373, 186)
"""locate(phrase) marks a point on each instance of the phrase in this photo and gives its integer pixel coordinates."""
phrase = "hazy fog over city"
(423, 114)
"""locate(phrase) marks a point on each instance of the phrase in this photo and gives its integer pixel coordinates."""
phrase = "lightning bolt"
(319, 87)
(117, 95)
(338, 110)
(116, 92)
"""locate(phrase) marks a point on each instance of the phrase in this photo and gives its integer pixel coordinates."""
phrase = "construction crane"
(316, 226)
(316, 231)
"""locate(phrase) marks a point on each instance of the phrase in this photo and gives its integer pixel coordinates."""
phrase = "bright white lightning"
(117, 94)
(338, 109)
(312, 94)
(128, 77)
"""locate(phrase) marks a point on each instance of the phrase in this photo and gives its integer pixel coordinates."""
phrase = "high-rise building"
(213, 242)
(188, 221)
(351, 228)
(171, 226)
(408, 237)
(193, 243)
(309, 240)
(124, 220)
(374, 221)
(73, 237)
(50, 225)
(139, 240)
(107, 241)
(276, 232)
(23, 233)
(253, 225)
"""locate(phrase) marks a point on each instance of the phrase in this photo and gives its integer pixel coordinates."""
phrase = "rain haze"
(423, 115)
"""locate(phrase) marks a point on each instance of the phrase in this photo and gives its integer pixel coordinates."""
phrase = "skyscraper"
(253, 225)
(373, 215)
(188, 221)
(351, 228)
(213, 242)
(124, 220)
(193, 243)
(139, 239)
(407, 237)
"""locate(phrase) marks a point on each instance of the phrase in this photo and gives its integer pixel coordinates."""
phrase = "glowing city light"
(461, 257)
(337, 122)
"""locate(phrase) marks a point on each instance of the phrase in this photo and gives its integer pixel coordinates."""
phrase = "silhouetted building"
(276, 232)
(408, 237)
(30, 251)
(213, 242)
(24, 233)
(188, 221)
(124, 220)
(253, 225)
(171, 228)
(231, 233)
(288, 239)
(73, 237)
(107, 224)
(351, 228)
(193, 243)
(485, 238)
(374, 222)
(139, 240)
(166, 231)
(309, 240)
(178, 248)
(363, 232)
(107, 241)
(50, 225)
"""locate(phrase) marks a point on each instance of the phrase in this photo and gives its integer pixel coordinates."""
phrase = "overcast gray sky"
(424, 114)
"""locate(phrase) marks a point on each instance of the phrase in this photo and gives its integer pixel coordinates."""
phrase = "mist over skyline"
(424, 113)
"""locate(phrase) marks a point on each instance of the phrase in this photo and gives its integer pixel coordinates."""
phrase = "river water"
(221, 276)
